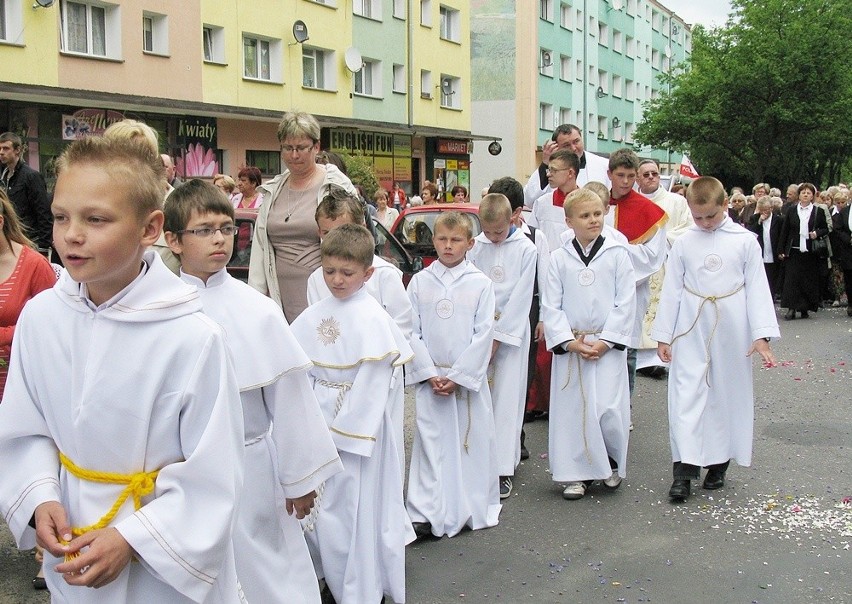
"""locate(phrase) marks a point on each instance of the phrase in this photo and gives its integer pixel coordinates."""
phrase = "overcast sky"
(708, 13)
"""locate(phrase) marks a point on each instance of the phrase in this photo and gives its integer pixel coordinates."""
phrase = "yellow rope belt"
(704, 300)
(469, 415)
(138, 486)
(577, 333)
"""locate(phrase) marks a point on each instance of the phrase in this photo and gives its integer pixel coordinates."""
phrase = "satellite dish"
(43, 3)
(353, 60)
(617, 4)
(300, 31)
(446, 86)
(668, 51)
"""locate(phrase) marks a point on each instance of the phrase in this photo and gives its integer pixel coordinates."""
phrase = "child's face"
(587, 219)
(201, 256)
(98, 232)
(622, 179)
(325, 224)
(497, 230)
(707, 216)
(451, 245)
(344, 277)
(559, 174)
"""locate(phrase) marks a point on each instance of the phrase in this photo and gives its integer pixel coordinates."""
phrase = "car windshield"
(415, 230)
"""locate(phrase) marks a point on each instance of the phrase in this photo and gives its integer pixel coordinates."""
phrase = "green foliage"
(768, 97)
(360, 170)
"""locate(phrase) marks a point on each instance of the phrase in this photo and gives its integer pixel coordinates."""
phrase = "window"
(593, 25)
(545, 62)
(545, 10)
(665, 26)
(399, 78)
(545, 116)
(565, 116)
(617, 41)
(368, 81)
(616, 85)
(450, 24)
(256, 58)
(631, 7)
(399, 8)
(155, 33)
(426, 13)
(11, 21)
(317, 68)
(425, 84)
(628, 90)
(666, 63)
(566, 16)
(655, 59)
(628, 132)
(602, 127)
(565, 64)
(268, 162)
(631, 46)
(579, 70)
(450, 92)
(603, 34)
(578, 21)
(372, 9)
(603, 80)
(213, 39)
(91, 29)
(2, 19)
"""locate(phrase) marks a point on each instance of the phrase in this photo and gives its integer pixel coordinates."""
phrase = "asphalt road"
(778, 532)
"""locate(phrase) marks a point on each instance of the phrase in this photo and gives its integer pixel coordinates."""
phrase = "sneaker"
(631, 426)
(505, 486)
(574, 490)
(613, 482)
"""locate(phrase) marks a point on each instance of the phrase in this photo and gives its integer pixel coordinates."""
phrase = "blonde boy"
(453, 477)
(588, 307)
(508, 258)
(122, 440)
(288, 450)
(715, 311)
(359, 530)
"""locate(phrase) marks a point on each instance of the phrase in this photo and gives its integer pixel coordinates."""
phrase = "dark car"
(387, 247)
(413, 228)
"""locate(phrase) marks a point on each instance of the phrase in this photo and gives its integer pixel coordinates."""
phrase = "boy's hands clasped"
(590, 352)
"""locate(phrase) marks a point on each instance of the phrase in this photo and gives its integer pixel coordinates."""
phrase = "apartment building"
(592, 63)
(386, 78)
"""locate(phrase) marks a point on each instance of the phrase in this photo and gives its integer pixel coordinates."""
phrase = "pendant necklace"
(289, 207)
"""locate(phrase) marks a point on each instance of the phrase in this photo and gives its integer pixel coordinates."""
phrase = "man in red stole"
(643, 223)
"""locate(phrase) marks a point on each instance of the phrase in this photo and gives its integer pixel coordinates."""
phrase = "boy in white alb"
(547, 213)
(452, 482)
(289, 452)
(506, 255)
(359, 528)
(121, 440)
(715, 311)
(385, 285)
(588, 307)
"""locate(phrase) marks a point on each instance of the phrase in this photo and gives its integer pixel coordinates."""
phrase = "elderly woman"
(429, 194)
(226, 184)
(285, 248)
(803, 222)
(248, 180)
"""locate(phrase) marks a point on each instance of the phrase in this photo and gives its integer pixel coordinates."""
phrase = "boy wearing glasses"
(120, 441)
(288, 450)
(547, 213)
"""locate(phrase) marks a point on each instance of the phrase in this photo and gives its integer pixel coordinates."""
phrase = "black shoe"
(804, 314)
(849, 310)
(715, 479)
(529, 416)
(326, 596)
(39, 583)
(791, 315)
(422, 529)
(525, 454)
(680, 489)
(505, 487)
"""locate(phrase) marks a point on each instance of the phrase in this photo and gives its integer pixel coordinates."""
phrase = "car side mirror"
(417, 264)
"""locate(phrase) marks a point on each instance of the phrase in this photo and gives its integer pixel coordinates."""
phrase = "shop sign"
(452, 147)
(197, 130)
(88, 122)
(368, 143)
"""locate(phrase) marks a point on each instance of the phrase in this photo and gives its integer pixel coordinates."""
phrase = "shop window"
(155, 33)
(261, 58)
(268, 162)
(92, 29)
(213, 39)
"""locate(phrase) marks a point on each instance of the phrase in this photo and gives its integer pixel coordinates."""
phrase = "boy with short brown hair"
(715, 311)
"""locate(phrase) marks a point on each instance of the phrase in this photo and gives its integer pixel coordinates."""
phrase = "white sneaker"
(613, 482)
(574, 490)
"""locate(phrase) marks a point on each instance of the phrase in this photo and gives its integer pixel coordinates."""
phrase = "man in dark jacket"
(26, 190)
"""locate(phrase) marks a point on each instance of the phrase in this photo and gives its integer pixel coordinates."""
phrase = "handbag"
(820, 246)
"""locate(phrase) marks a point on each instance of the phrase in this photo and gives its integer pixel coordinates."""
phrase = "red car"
(413, 228)
(387, 247)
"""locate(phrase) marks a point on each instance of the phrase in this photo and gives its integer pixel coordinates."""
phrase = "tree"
(360, 169)
(768, 97)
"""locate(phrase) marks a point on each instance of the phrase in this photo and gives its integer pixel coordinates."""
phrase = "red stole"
(637, 217)
(559, 198)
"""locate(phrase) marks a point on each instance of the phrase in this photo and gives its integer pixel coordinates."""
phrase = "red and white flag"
(687, 169)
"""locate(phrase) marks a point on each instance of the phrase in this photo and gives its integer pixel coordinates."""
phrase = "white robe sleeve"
(306, 453)
(557, 327)
(472, 364)
(395, 300)
(182, 535)
(620, 319)
(533, 190)
(514, 318)
(317, 289)
(649, 257)
(759, 306)
(543, 261)
(355, 427)
(662, 330)
(422, 367)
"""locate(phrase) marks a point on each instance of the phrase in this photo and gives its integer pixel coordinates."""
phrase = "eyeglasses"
(206, 232)
(650, 174)
(554, 170)
(298, 149)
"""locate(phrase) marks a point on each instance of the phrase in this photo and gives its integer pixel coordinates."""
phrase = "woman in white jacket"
(286, 242)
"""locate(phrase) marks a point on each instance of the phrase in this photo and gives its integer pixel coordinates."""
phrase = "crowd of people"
(258, 449)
